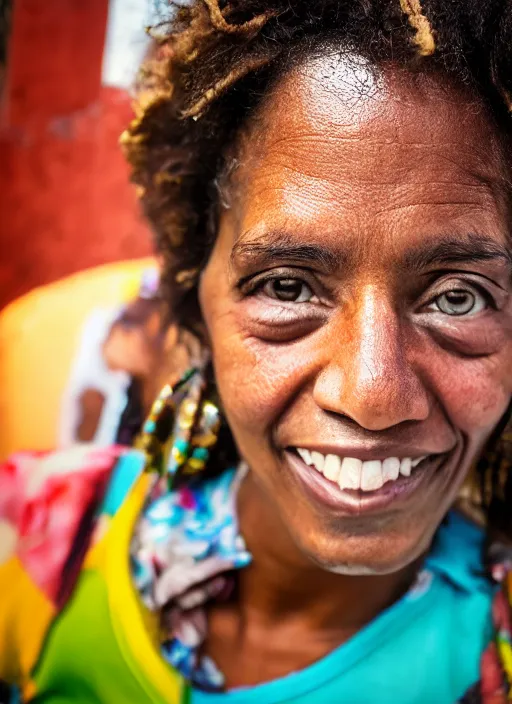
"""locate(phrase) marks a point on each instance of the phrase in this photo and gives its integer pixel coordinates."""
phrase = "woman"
(330, 186)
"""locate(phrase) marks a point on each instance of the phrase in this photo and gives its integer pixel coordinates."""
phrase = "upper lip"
(375, 452)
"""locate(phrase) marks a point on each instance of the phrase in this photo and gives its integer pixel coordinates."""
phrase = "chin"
(350, 555)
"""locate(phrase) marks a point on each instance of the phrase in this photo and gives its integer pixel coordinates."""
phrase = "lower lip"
(356, 502)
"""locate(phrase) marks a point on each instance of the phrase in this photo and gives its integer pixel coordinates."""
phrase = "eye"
(288, 289)
(460, 302)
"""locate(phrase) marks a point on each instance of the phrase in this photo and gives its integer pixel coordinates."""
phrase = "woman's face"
(358, 305)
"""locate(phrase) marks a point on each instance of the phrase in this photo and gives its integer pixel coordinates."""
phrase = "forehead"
(343, 147)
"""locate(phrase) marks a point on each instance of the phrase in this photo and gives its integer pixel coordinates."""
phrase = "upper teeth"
(351, 473)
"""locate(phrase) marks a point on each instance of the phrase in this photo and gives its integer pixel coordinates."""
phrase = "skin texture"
(361, 186)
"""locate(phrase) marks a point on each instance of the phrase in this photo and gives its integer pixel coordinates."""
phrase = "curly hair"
(217, 59)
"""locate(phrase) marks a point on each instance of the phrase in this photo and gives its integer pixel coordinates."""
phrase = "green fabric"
(90, 669)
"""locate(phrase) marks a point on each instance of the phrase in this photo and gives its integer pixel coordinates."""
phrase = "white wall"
(127, 41)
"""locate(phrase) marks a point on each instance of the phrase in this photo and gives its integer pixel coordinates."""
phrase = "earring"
(181, 430)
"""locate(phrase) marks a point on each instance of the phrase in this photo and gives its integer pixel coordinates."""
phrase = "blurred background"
(74, 247)
(66, 71)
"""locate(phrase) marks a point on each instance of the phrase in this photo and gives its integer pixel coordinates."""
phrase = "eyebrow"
(278, 245)
(273, 246)
(455, 249)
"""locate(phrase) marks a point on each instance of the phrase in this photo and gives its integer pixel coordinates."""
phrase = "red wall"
(65, 200)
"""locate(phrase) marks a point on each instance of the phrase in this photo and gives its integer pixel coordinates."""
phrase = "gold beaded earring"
(181, 430)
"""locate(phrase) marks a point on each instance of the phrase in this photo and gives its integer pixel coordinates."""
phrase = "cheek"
(475, 393)
(256, 381)
(243, 389)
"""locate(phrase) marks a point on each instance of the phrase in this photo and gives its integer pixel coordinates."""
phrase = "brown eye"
(460, 302)
(289, 290)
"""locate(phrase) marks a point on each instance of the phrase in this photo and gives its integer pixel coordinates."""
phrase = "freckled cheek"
(475, 394)
(256, 381)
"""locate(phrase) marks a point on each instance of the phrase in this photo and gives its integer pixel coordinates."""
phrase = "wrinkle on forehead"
(342, 100)
(382, 103)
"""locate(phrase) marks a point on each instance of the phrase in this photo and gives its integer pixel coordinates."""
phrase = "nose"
(367, 376)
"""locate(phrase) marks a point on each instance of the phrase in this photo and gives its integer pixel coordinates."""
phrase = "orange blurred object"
(39, 333)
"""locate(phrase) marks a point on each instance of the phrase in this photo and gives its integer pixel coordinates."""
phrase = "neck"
(283, 585)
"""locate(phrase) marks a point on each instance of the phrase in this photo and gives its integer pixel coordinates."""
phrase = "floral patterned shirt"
(184, 551)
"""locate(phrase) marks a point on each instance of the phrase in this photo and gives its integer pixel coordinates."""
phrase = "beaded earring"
(181, 429)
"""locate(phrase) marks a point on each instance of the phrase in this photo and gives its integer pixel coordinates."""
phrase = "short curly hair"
(216, 61)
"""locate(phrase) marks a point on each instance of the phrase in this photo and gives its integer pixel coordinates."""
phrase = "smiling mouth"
(354, 486)
(357, 475)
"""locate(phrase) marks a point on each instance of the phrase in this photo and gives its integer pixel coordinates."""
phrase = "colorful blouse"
(104, 576)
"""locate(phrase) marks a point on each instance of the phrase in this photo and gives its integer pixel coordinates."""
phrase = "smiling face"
(358, 305)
